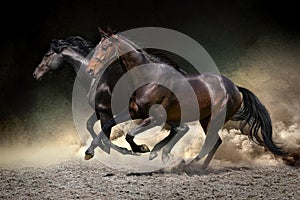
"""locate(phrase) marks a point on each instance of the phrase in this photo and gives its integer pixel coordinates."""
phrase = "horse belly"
(188, 115)
(190, 107)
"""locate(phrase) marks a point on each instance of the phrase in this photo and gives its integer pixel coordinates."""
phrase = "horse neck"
(74, 58)
(77, 59)
(131, 54)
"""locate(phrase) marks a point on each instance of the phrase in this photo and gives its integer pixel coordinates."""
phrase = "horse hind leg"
(205, 124)
(162, 143)
(211, 154)
(176, 133)
(213, 150)
(179, 133)
(211, 126)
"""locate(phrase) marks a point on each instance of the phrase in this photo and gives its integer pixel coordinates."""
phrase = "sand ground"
(79, 179)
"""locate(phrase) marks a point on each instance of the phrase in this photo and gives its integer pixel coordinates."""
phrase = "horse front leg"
(156, 117)
(102, 140)
(143, 126)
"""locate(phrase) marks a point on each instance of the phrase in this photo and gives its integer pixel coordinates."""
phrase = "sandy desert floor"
(60, 172)
(79, 179)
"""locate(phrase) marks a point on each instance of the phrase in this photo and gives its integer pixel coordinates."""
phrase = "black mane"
(158, 56)
(75, 42)
(85, 47)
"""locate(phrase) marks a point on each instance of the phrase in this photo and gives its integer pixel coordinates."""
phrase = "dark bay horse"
(73, 51)
(216, 97)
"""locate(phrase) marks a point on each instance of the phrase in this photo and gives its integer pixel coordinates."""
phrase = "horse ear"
(54, 41)
(102, 32)
(55, 46)
(110, 31)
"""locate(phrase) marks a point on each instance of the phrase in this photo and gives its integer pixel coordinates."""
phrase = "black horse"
(71, 51)
(216, 97)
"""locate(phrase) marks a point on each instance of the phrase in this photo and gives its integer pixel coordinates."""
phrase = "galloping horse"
(73, 51)
(215, 95)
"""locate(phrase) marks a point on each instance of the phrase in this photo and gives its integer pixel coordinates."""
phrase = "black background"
(224, 28)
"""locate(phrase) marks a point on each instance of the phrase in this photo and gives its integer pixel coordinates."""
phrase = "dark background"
(224, 28)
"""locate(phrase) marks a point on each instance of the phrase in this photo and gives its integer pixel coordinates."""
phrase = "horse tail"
(254, 113)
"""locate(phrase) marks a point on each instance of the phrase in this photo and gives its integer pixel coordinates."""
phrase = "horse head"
(113, 47)
(72, 50)
(105, 52)
(50, 62)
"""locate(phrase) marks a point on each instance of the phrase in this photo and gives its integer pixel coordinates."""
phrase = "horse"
(71, 51)
(216, 97)
(74, 51)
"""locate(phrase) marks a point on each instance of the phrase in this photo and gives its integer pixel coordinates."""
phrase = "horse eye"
(104, 47)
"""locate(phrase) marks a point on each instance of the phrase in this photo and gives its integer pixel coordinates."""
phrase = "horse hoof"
(88, 156)
(152, 155)
(144, 148)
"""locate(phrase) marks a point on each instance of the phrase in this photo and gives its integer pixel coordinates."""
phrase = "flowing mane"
(76, 42)
(156, 56)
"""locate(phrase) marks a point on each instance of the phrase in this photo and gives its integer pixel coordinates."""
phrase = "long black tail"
(254, 113)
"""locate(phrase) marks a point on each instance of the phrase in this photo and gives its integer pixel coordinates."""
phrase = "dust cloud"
(45, 152)
(271, 69)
